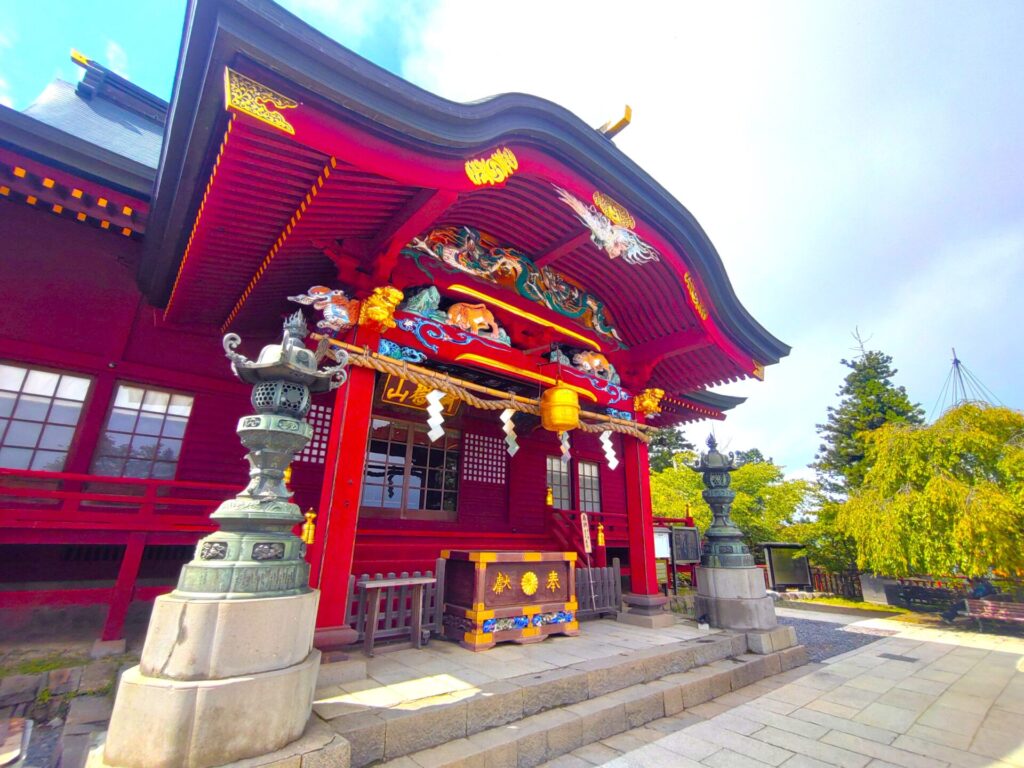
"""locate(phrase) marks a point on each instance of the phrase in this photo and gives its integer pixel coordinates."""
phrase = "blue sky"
(857, 164)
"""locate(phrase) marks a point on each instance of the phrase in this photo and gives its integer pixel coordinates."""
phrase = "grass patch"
(42, 664)
(860, 605)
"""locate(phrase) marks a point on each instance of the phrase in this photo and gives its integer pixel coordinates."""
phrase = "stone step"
(345, 670)
(379, 728)
(538, 738)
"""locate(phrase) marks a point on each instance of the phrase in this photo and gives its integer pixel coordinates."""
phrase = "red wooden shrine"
(287, 172)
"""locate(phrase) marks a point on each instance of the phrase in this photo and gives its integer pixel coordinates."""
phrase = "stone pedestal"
(646, 611)
(734, 598)
(219, 680)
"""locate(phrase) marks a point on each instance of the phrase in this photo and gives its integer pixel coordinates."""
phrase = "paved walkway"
(922, 698)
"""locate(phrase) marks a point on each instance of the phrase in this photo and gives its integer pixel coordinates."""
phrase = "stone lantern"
(724, 547)
(228, 670)
(731, 590)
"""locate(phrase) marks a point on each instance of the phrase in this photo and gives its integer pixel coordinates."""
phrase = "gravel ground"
(825, 639)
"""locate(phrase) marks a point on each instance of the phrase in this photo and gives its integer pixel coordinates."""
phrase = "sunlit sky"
(858, 165)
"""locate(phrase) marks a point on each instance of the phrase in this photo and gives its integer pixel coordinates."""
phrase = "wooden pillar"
(339, 504)
(124, 588)
(645, 601)
(643, 577)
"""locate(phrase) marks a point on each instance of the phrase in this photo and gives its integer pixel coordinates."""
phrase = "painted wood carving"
(463, 249)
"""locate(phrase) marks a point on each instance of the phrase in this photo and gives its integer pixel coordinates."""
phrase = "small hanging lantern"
(560, 408)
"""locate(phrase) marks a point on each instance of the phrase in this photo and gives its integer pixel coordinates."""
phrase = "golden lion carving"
(378, 309)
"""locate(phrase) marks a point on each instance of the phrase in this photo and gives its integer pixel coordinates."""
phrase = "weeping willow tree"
(942, 498)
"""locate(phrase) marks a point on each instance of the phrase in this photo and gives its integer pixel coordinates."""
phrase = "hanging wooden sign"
(399, 391)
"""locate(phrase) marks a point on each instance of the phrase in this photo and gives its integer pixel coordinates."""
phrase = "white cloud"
(850, 170)
(116, 58)
(5, 93)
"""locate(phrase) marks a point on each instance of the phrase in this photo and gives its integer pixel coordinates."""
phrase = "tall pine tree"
(869, 399)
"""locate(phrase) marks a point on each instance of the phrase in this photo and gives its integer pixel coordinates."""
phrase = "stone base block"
(161, 723)
(765, 641)
(216, 639)
(650, 621)
(742, 614)
(730, 582)
(334, 638)
(646, 611)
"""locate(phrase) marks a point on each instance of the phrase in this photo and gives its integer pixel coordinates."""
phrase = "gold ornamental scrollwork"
(698, 305)
(616, 212)
(252, 98)
(494, 169)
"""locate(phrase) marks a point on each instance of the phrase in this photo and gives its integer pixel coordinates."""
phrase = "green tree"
(765, 501)
(944, 497)
(664, 445)
(869, 399)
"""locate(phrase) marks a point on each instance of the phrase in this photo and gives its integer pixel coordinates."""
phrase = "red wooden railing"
(564, 526)
(34, 501)
(68, 508)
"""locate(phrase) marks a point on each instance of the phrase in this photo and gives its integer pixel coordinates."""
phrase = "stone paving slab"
(953, 699)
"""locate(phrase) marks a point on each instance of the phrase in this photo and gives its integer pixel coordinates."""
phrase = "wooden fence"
(396, 604)
(599, 591)
(845, 584)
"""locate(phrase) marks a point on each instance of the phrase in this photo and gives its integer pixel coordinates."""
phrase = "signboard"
(661, 571)
(585, 527)
(398, 391)
(662, 546)
(787, 566)
(685, 544)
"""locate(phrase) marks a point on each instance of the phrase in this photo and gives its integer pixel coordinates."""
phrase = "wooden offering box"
(490, 597)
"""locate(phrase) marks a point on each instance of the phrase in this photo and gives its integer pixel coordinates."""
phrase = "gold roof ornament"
(252, 98)
(648, 402)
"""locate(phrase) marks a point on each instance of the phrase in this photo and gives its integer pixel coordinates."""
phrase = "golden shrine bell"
(560, 408)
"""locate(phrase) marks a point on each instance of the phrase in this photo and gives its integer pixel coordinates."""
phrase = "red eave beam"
(425, 207)
(562, 248)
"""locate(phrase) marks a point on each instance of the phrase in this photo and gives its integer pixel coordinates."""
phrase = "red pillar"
(645, 597)
(331, 559)
(124, 588)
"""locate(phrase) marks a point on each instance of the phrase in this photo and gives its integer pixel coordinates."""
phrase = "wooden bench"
(993, 610)
(925, 593)
(372, 589)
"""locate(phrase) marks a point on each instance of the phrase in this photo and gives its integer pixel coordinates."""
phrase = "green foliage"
(665, 445)
(765, 501)
(869, 399)
(827, 546)
(942, 498)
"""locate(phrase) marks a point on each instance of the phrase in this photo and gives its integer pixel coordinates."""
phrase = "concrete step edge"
(598, 677)
(538, 738)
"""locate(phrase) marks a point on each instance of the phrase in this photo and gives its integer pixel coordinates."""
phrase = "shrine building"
(501, 254)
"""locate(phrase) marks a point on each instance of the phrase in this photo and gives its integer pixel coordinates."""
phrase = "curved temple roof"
(336, 165)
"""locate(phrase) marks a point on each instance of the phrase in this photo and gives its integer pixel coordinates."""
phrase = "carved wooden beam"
(420, 212)
(563, 247)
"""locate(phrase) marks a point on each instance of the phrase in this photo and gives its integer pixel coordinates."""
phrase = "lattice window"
(143, 433)
(315, 451)
(39, 412)
(590, 486)
(558, 482)
(484, 459)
